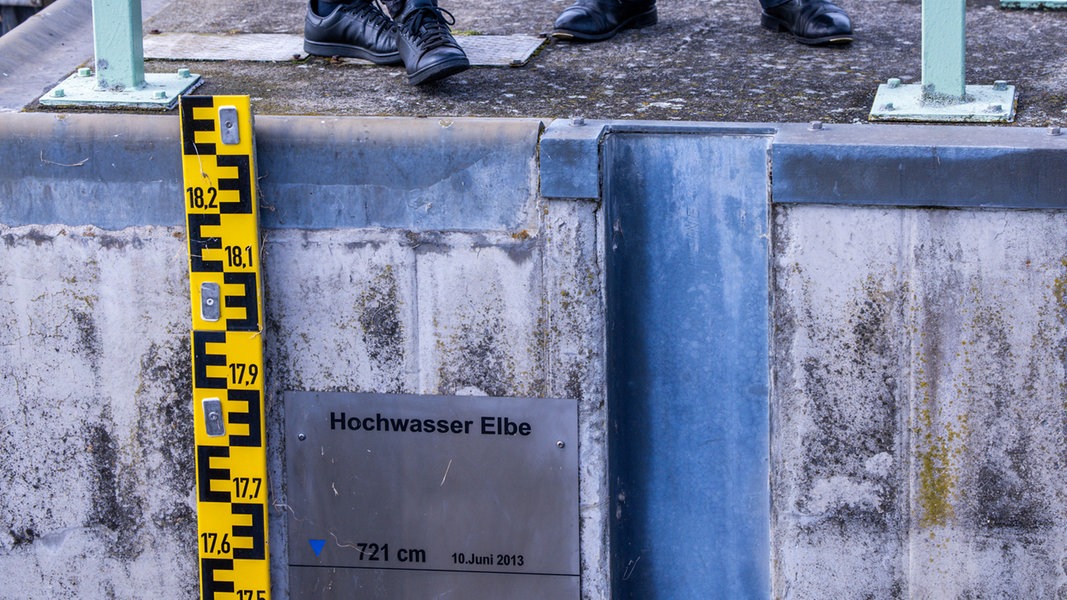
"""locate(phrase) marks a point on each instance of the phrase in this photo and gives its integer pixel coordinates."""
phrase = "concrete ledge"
(416, 174)
(946, 166)
(112, 171)
(454, 174)
(46, 48)
(116, 171)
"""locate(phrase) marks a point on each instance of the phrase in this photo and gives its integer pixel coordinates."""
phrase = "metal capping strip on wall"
(850, 164)
(899, 165)
(413, 174)
(908, 165)
(686, 317)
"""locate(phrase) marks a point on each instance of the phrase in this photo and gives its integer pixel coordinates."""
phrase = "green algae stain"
(938, 479)
(1059, 290)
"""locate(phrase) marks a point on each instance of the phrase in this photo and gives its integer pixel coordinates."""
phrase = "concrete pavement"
(706, 60)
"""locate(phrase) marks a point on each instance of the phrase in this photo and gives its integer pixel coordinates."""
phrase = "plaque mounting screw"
(560, 444)
(301, 437)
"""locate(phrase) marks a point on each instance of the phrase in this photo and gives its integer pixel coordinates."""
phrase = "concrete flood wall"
(919, 403)
(428, 264)
(919, 365)
(856, 391)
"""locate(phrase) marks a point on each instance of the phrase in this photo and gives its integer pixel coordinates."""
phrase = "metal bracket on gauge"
(213, 417)
(210, 310)
(229, 131)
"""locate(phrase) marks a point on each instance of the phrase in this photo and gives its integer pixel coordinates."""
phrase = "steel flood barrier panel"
(686, 314)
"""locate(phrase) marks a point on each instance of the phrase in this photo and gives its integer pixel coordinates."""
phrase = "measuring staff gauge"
(225, 283)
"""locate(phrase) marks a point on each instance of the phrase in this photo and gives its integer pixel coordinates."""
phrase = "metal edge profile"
(570, 149)
(412, 174)
(920, 166)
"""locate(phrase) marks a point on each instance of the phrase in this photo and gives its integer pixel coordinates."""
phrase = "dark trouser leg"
(323, 8)
(395, 7)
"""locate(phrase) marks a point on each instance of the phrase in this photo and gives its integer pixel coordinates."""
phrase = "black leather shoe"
(596, 20)
(812, 22)
(426, 44)
(356, 30)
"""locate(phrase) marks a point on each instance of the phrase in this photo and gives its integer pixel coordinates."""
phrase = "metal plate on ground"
(482, 50)
(405, 496)
(260, 47)
(984, 104)
(499, 50)
(160, 91)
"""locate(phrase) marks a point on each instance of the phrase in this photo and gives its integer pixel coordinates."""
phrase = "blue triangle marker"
(316, 546)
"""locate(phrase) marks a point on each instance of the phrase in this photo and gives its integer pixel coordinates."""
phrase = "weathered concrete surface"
(918, 361)
(96, 481)
(95, 388)
(707, 60)
(919, 403)
(493, 313)
(96, 409)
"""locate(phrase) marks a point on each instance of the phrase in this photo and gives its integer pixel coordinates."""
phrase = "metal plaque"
(404, 496)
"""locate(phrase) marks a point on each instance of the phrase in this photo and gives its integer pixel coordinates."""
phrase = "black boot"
(595, 20)
(426, 44)
(356, 30)
(812, 22)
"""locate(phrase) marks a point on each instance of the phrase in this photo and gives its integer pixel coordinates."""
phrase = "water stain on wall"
(116, 503)
(378, 306)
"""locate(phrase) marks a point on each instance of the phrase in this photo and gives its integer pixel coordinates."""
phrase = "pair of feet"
(813, 22)
(419, 37)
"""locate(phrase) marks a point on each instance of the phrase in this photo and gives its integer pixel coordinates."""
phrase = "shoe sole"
(438, 71)
(646, 19)
(779, 26)
(348, 51)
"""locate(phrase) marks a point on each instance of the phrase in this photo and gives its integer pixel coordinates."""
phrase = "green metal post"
(943, 95)
(118, 44)
(943, 47)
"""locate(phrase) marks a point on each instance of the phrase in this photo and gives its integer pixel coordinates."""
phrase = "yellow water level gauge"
(218, 165)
